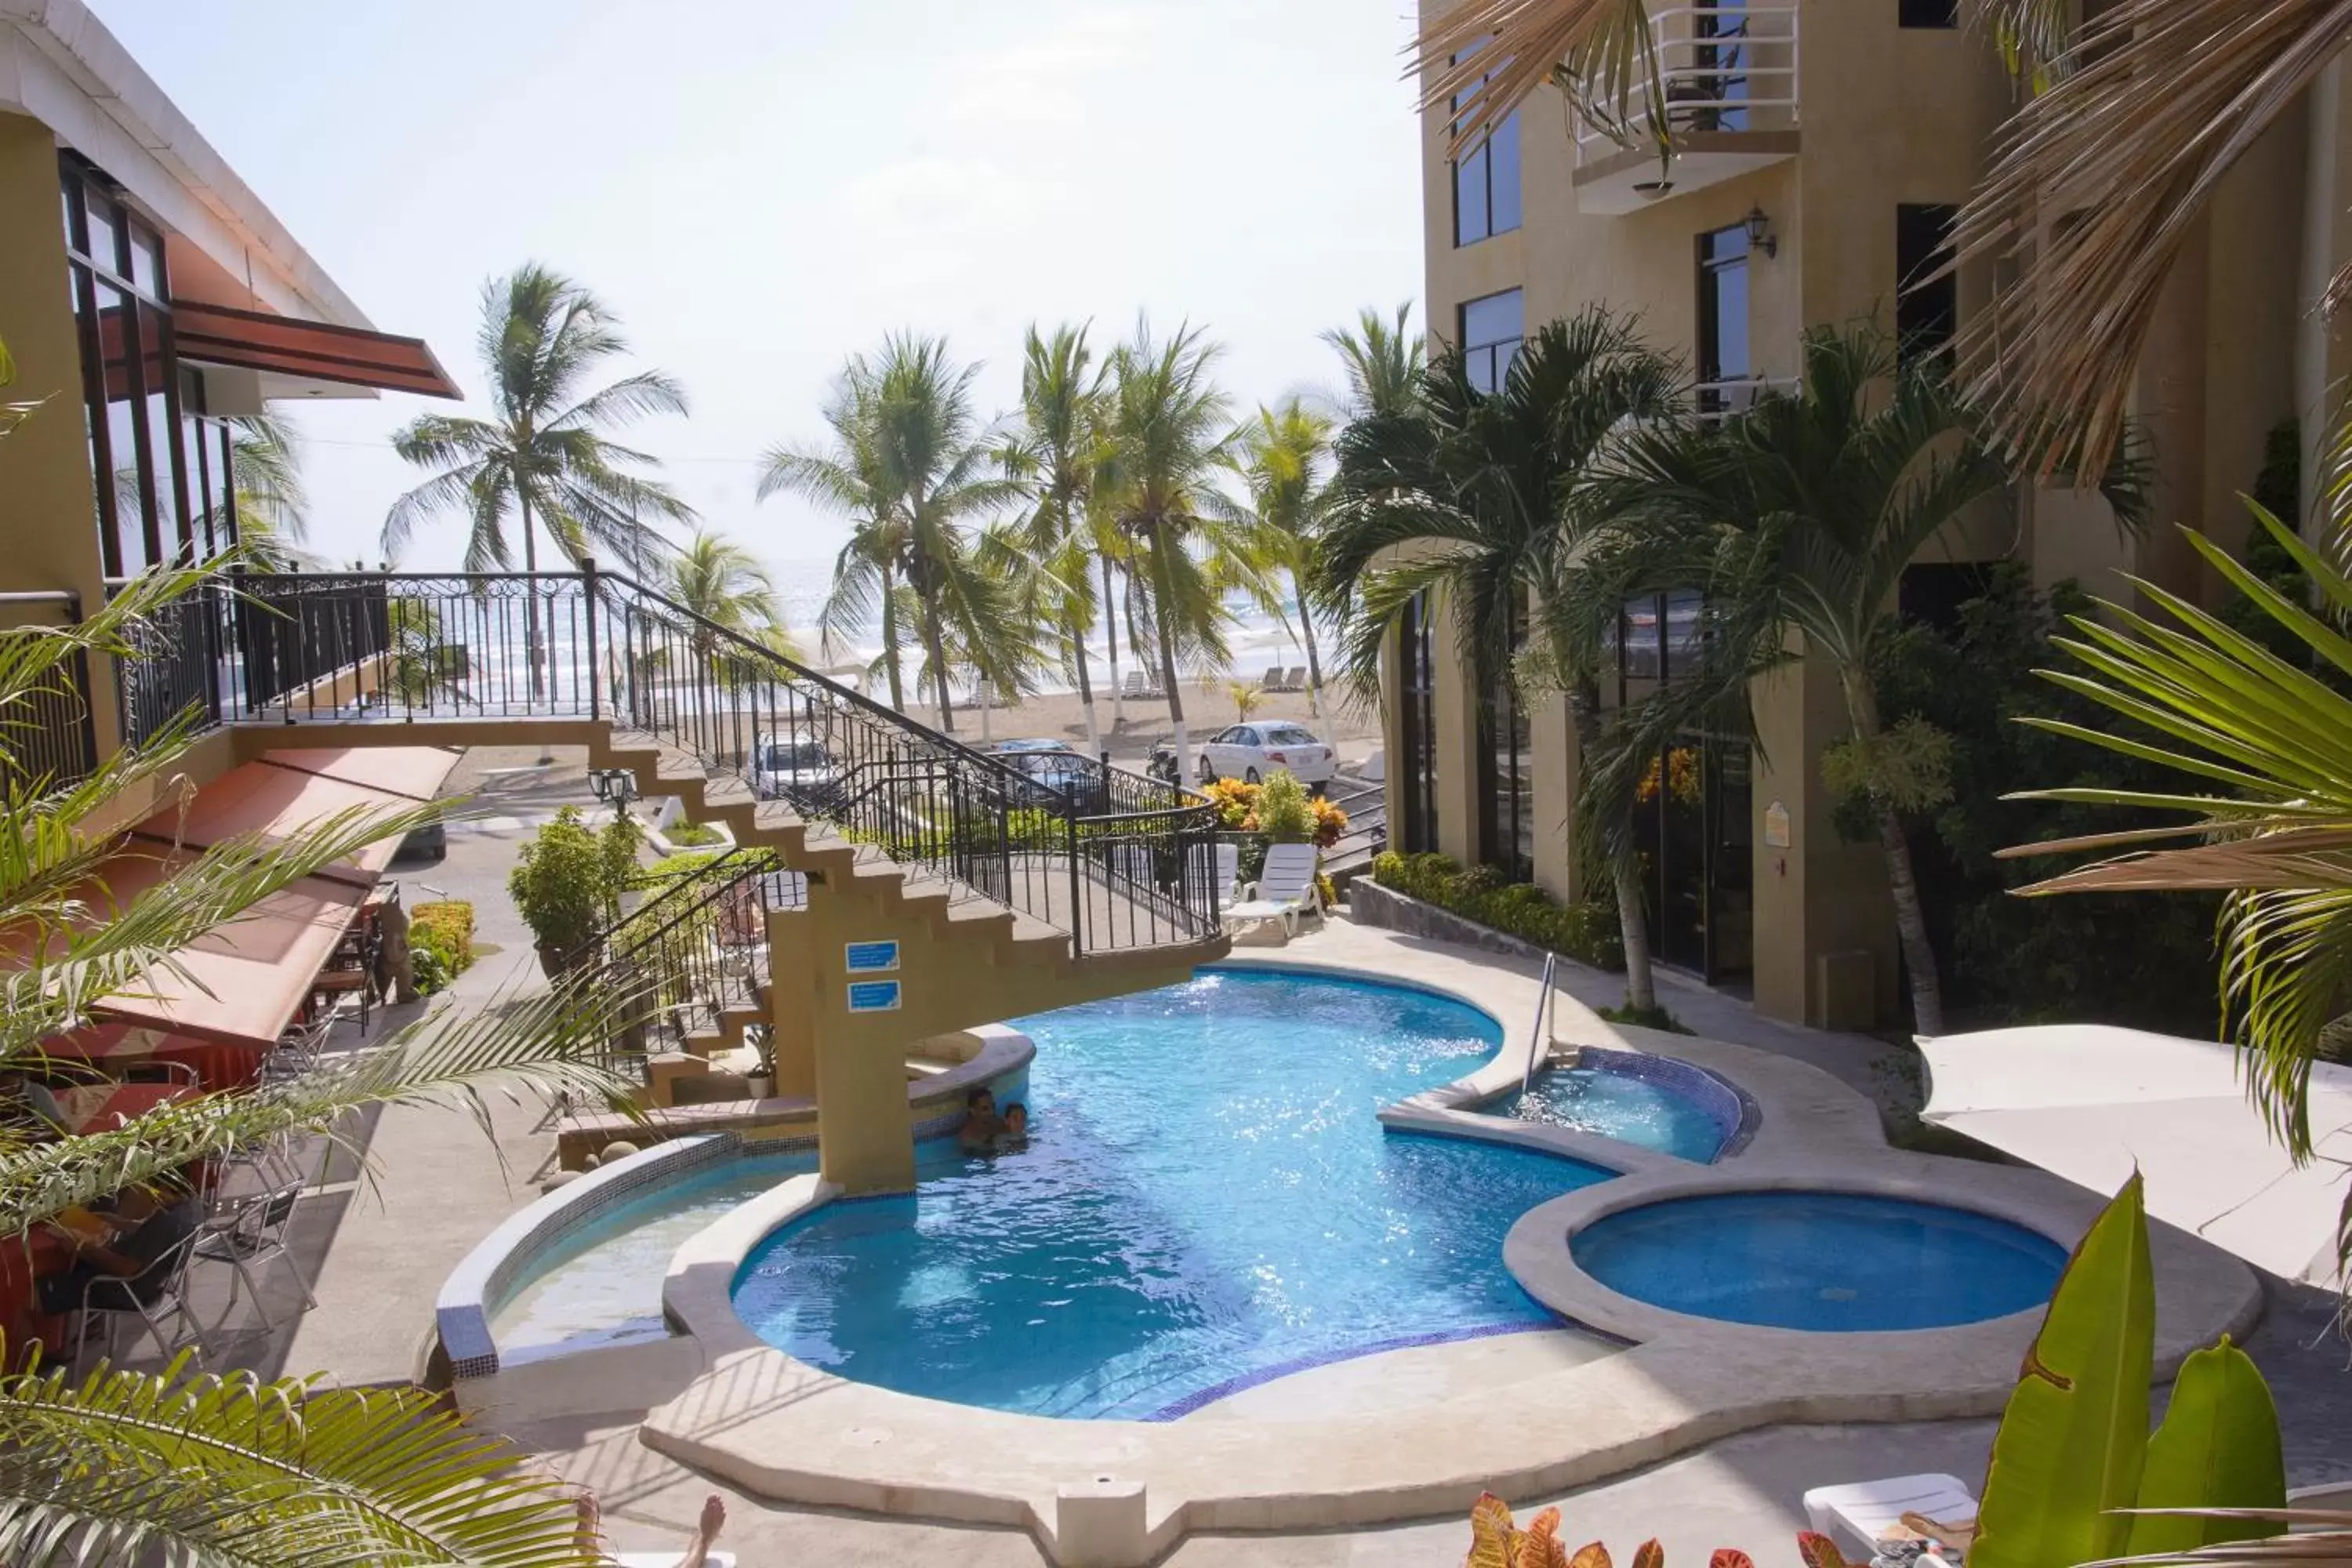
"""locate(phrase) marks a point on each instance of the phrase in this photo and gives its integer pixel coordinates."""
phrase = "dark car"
(1055, 773)
(430, 842)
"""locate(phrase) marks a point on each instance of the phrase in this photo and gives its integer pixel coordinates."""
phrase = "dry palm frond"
(2100, 183)
(2298, 857)
(1483, 59)
(2320, 1538)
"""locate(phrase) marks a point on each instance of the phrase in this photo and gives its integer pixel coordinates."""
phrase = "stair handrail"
(1536, 1045)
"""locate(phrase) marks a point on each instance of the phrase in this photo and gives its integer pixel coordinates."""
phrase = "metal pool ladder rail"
(1535, 1043)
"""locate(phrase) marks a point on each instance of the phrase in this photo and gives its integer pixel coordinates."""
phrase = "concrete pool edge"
(1121, 1492)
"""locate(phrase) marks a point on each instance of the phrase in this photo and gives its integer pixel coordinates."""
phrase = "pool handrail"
(1536, 1035)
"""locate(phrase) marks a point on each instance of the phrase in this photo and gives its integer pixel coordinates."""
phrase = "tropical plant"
(1384, 360)
(1284, 813)
(1798, 516)
(567, 884)
(1170, 425)
(1584, 932)
(1055, 455)
(1247, 699)
(542, 461)
(908, 467)
(13, 414)
(728, 587)
(1458, 505)
(1497, 1541)
(182, 1467)
(265, 467)
(1279, 458)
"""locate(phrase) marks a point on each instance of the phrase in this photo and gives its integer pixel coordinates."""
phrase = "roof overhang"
(285, 349)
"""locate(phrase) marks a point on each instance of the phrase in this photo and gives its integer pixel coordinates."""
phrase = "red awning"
(286, 793)
(252, 340)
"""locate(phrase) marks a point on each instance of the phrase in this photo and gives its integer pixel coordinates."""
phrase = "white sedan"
(1251, 751)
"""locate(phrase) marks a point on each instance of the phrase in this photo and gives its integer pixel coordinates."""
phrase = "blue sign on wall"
(870, 957)
(874, 996)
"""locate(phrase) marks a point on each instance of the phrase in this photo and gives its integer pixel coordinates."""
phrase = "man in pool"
(1016, 1128)
(981, 1123)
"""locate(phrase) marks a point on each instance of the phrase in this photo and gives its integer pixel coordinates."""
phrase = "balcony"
(1715, 400)
(1730, 77)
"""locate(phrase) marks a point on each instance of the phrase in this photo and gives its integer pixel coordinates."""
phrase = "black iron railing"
(697, 946)
(1112, 870)
(49, 742)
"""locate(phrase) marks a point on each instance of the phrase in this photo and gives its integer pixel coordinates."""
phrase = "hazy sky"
(760, 189)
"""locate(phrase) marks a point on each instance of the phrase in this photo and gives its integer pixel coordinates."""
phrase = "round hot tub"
(1825, 1262)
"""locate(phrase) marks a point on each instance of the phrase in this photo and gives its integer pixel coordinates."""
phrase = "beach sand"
(1354, 730)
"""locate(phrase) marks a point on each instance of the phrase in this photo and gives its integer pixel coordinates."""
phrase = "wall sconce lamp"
(1760, 233)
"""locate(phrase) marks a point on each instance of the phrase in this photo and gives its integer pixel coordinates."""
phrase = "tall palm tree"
(1170, 425)
(540, 460)
(126, 1467)
(1279, 457)
(1384, 360)
(914, 459)
(265, 467)
(1458, 504)
(1797, 517)
(728, 586)
(1056, 456)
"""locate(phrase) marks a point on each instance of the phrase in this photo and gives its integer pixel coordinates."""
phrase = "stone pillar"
(866, 1141)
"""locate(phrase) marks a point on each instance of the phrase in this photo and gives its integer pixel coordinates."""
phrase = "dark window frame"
(1712, 263)
(1932, 15)
(1489, 356)
(1417, 726)
(1506, 836)
(1927, 304)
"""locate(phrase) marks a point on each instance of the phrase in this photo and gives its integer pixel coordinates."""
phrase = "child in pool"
(1016, 1127)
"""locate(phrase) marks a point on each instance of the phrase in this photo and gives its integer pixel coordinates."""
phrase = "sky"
(760, 189)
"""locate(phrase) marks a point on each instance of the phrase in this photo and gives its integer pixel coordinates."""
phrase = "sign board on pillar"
(873, 995)
(869, 957)
(1776, 827)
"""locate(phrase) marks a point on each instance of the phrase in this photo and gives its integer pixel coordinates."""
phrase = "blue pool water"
(1618, 1105)
(1206, 1200)
(1825, 1261)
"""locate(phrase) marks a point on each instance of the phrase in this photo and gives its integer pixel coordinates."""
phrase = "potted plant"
(567, 887)
(761, 1037)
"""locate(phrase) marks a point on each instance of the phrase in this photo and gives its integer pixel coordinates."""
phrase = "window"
(1927, 305)
(1721, 58)
(1289, 735)
(1486, 180)
(1929, 12)
(1417, 728)
(1507, 827)
(1724, 369)
(1492, 329)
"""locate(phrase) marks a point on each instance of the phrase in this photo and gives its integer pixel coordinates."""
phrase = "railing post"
(1077, 884)
(595, 667)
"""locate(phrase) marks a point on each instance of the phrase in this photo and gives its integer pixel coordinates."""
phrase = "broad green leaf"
(2218, 1447)
(2073, 1437)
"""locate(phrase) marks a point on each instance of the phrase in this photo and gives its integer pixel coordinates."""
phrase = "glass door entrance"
(1698, 870)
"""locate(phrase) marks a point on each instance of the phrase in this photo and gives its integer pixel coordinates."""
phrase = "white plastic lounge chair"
(1296, 679)
(1218, 868)
(1857, 1516)
(1284, 889)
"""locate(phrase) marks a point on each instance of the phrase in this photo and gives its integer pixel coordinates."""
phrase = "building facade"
(1823, 150)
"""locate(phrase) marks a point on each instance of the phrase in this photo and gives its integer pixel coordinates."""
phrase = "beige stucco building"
(1824, 145)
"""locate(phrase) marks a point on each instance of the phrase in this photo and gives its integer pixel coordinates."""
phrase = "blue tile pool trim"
(1734, 1113)
(1233, 1386)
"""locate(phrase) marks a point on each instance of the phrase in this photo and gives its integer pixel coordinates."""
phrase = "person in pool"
(1016, 1134)
(981, 1123)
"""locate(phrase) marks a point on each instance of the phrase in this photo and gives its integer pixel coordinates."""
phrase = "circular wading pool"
(1830, 1262)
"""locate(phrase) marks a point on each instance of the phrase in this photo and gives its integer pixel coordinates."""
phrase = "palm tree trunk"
(1160, 621)
(1625, 865)
(934, 642)
(1314, 659)
(890, 641)
(1110, 635)
(1087, 695)
(530, 593)
(1902, 883)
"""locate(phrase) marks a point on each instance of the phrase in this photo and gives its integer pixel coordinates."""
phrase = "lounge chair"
(1218, 868)
(1136, 685)
(1272, 679)
(1284, 889)
(1857, 1516)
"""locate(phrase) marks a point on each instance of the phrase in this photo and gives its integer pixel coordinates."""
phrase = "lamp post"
(618, 786)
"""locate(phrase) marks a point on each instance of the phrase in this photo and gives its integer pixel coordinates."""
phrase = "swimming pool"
(1822, 1261)
(1620, 1105)
(1206, 1200)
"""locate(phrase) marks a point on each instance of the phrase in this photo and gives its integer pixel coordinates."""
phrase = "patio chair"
(1134, 685)
(1857, 1516)
(246, 1236)
(165, 1299)
(1218, 868)
(1297, 680)
(1284, 889)
(1272, 679)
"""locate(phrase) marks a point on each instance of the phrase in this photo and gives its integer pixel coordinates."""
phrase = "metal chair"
(250, 1234)
(115, 1298)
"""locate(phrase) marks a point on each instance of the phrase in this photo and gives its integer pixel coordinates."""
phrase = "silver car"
(1253, 751)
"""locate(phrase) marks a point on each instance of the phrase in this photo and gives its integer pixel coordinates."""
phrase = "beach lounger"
(1284, 889)
(1272, 679)
(1857, 1516)
(1136, 685)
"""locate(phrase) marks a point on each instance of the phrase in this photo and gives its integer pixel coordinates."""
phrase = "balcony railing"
(1716, 399)
(1722, 68)
(49, 743)
(1112, 866)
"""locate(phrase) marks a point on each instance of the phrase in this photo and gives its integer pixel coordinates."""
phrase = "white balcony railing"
(1722, 68)
(1716, 399)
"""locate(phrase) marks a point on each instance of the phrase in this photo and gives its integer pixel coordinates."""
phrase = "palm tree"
(123, 1466)
(1170, 425)
(1279, 457)
(915, 448)
(1384, 360)
(726, 585)
(1056, 456)
(265, 466)
(1457, 502)
(541, 460)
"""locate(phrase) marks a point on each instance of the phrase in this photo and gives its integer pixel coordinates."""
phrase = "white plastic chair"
(1857, 1516)
(1217, 867)
(1284, 889)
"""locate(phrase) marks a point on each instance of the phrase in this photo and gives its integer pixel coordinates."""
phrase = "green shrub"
(441, 941)
(1586, 931)
(659, 873)
(688, 833)
(568, 881)
(431, 970)
(1283, 813)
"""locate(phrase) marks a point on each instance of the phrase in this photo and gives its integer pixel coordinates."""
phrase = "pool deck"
(1115, 1492)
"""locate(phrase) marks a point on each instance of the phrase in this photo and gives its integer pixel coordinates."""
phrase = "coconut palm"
(1279, 458)
(265, 467)
(541, 461)
(125, 1466)
(913, 459)
(1457, 501)
(725, 585)
(1058, 449)
(1169, 427)
(1384, 360)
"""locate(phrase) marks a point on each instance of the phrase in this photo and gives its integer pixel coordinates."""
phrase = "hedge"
(1586, 932)
(441, 941)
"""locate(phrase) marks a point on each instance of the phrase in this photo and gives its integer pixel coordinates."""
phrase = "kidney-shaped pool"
(1205, 1201)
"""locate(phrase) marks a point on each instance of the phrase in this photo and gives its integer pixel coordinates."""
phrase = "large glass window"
(1928, 296)
(1486, 180)
(1725, 371)
(1492, 329)
(1927, 13)
(1507, 803)
(1417, 728)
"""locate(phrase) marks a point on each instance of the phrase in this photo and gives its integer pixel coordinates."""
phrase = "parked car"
(795, 767)
(1250, 751)
(1056, 773)
(429, 842)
